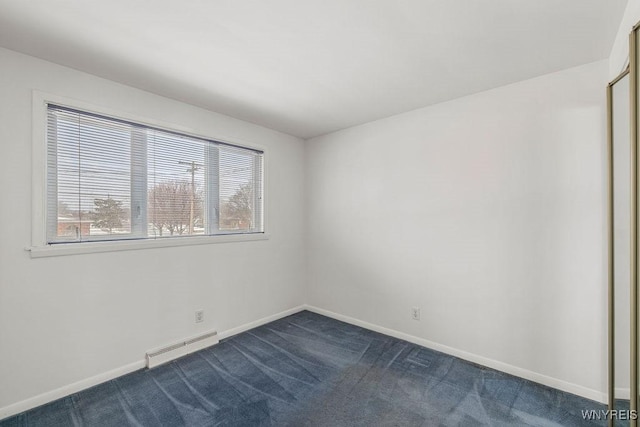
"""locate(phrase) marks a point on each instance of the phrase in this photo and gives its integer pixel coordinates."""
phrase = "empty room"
(319, 213)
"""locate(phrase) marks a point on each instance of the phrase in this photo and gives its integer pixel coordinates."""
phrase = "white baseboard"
(50, 396)
(235, 331)
(66, 390)
(58, 393)
(481, 360)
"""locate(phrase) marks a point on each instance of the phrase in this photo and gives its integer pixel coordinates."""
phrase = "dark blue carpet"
(310, 370)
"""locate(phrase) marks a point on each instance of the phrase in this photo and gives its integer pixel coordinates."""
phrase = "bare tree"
(170, 206)
(237, 212)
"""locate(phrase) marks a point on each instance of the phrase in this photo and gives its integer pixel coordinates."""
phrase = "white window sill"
(129, 245)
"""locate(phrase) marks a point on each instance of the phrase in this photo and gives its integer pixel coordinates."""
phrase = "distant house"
(72, 227)
(227, 223)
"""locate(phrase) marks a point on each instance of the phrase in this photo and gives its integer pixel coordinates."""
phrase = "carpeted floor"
(310, 370)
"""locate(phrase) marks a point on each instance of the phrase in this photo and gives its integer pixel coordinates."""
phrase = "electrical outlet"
(199, 316)
(415, 313)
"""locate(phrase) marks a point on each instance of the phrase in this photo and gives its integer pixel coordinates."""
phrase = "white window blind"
(110, 179)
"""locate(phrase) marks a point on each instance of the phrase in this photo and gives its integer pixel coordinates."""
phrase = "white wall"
(487, 212)
(66, 319)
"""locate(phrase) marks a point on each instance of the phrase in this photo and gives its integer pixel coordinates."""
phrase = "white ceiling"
(309, 67)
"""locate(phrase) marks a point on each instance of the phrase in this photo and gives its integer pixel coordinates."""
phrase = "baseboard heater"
(179, 349)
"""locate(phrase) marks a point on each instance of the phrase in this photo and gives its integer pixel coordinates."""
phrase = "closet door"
(619, 242)
(634, 69)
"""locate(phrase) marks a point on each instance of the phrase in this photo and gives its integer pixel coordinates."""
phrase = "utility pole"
(193, 167)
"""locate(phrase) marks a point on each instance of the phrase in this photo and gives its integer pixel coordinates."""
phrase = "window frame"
(39, 245)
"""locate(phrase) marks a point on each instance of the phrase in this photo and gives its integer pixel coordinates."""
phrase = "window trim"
(39, 245)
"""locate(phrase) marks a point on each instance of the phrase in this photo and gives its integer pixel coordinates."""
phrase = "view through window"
(109, 179)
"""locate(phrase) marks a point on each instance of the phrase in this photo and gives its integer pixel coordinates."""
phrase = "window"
(111, 179)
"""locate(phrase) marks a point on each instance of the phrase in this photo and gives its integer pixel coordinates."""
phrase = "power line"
(193, 168)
